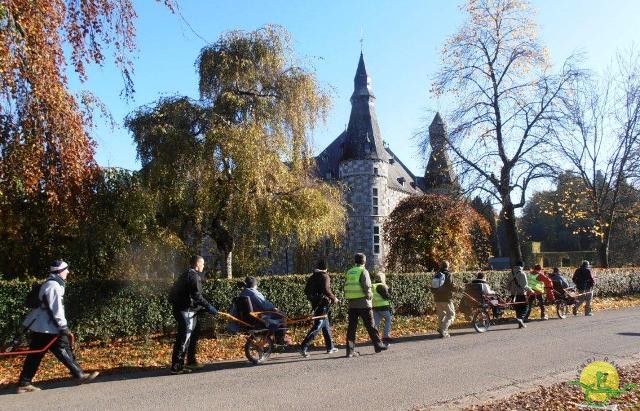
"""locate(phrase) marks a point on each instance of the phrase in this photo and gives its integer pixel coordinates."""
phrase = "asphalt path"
(420, 371)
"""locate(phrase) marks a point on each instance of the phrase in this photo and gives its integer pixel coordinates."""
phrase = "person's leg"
(449, 316)
(367, 319)
(377, 317)
(313, 331)
(32, 361)
(352, 324)
(328, 338)
(387, 324)
(581, 298)
(540, 298)
(588, 301)
(440, 315)
(193, 342)
(61, 348)
(182, 340)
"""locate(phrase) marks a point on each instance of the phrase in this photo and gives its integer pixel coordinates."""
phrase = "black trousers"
(367, 318)
(61, 348)
(532, 302)
(522, 309)
(186, 340)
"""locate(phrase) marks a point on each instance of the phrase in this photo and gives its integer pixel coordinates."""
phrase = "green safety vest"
(378, 300)
(352, 287)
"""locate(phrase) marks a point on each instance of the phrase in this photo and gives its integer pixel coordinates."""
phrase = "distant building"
(375, 177)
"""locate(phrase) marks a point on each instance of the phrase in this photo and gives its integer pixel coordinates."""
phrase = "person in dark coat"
(187, 300)
(318, 292)
(584, 282)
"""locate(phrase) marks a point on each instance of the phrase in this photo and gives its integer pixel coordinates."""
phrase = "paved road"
(418, 371)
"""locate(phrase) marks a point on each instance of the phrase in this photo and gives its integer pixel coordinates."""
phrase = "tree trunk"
(511, 231)
(603, 250)
(228, 259)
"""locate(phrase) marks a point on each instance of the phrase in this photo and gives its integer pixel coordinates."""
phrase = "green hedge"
(108, 309)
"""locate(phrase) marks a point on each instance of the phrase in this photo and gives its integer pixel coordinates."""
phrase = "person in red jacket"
(548, 283)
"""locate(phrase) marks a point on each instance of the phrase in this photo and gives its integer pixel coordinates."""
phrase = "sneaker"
(87, 377)
(381, 347)
(352, 354)
(544, 317)
(521, 323)
(28, 388)
(194, 366)
(446, 335)
(181, 371)
(303, 351)
(333, 350)
(387, 340)
(589, 314)
(575, 310)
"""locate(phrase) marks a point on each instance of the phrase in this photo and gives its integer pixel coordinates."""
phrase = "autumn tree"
(46, 155)
(237, 163)
(422, 231)
(506, 104)
(601, 147)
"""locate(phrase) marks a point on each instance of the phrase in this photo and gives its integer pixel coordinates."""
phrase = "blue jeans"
(378, 315)
(321, 324)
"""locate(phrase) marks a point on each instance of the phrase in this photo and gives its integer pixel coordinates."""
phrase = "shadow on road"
(630, 334)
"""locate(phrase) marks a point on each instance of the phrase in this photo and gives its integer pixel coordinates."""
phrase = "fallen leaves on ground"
(134, 354)
(565, 397)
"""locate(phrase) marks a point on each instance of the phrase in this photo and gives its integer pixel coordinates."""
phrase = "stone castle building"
(375, 178)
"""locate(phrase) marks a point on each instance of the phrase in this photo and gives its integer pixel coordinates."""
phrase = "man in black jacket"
(318, 291)
(187, 300)
(584, 284)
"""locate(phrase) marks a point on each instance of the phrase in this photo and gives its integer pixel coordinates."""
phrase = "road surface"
(417, 372)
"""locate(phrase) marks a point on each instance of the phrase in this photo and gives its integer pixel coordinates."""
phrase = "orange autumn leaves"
(424, 230)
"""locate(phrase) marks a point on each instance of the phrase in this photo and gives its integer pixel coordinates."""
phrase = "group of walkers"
(367, 300)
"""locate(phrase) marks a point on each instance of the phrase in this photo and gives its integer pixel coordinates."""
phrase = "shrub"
(101, 310)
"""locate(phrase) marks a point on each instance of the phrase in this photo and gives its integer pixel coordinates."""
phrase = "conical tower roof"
(362, 139)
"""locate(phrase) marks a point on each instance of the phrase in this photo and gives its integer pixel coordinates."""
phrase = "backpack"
(33, 300)
(438, 280)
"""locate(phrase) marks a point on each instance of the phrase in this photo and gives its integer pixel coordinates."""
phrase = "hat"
(586, 263)
(58, 266)
(250, 282)
(537, 267)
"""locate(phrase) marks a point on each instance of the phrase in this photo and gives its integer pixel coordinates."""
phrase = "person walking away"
(442, 288)
(382, 305)
(47, 322)
(357, 292)
(187, 300)
(518, 287)
(584, 282)
(318, 292)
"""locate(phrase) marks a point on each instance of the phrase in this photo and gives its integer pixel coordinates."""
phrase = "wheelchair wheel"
(481, 321)
(562, 309)
(258, 348)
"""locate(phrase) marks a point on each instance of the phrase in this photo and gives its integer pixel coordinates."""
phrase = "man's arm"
(196, 294)
(327, 289)
(365, 283)
(52, 299)
(384, 291)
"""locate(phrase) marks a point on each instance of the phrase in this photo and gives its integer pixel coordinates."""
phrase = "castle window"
(376, 240)
(375, 171)
(392, 160)
(401, 180)
(374, 202)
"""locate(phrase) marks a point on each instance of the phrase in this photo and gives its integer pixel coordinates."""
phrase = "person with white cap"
(48, 322)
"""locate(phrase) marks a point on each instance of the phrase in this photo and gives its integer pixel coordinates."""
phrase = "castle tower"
(439, 175)
(363, 168)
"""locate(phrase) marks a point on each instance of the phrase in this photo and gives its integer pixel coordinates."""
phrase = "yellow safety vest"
(378, 300)
(352, 287)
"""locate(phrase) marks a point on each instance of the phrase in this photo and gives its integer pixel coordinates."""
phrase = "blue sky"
(401, 47)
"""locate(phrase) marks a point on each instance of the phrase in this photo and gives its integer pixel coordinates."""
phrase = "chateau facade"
(375, 178)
